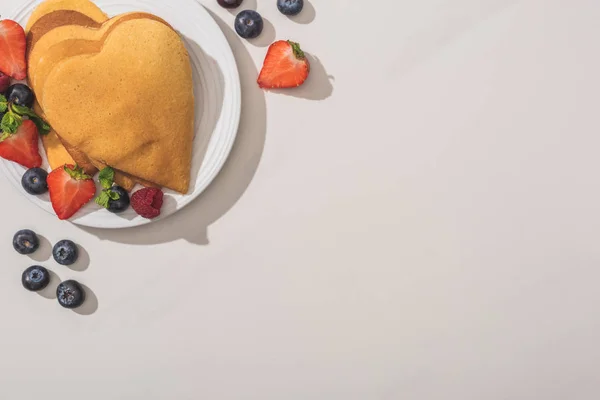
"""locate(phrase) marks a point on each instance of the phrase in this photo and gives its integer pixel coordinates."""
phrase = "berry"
(230, 3)
(20, 94)
(147, 202)
(35, 278)
(121, 203)
(285, 66)
(34, 181)
(22, 146)
(70, 189)
(248, 24)
(26, 241)
(290, 7)
(4, 83)
(65, 252)
(12, 49)
(70, 294)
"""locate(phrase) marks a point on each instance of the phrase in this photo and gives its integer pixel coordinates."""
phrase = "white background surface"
(420, 221)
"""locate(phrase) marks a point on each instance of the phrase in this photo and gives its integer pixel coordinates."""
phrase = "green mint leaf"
(4, 136)
(103, 199)
(3, 103)
(10, 122)
(106, 177)
(22, 110)
(42, 126)
(113, 195)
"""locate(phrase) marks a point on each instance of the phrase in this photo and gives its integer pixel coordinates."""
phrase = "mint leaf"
(106, 196)
(3, 103)
(4, 136)
(113, 195)
(21, 110)
(107, 177)
(10, 122)
(42, 126)
(103, 199)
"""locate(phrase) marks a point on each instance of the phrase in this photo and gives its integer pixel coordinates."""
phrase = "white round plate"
(218, 105)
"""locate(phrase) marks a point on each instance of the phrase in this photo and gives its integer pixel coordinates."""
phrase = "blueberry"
(35, 278)
(65, 252)
(248, 24)
(20, 94)
(34, 181)
(290, 7)
(26, 241)
(230, 3)
(122, 203)
(70, 294)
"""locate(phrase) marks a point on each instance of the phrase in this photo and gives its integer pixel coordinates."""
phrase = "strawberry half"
(22, 146)
(70, 189)
(12, 49)
(285, 66)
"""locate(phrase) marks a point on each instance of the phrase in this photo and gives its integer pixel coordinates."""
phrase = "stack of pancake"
(117, 92)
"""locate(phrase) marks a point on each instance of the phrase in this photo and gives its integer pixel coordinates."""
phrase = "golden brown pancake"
(47, 16)
(55, 19)
(106, 103)
(124, 180)
(58, 153)
(85, 7)
(83, 26)
(56, 44)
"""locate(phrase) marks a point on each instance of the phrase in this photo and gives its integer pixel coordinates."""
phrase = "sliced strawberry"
(4, 82)
(70, 189)
(285, 66)
(12, 49)
(22, 146)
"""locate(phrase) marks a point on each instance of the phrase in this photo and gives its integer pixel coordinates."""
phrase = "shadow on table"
(49, 292)
(90, 305)
(192, 222)
(307, 15)
(318, 85)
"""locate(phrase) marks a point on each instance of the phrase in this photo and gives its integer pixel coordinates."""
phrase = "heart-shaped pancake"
(131, 105)
(54, 20)
(58, 151)
(85, 7)
(70, 40)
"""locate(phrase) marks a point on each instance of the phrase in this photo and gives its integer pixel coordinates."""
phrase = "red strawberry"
(147, 202)
(4, 82)
(22, 146)
(285, 66)
(12, 49)
(70, 189)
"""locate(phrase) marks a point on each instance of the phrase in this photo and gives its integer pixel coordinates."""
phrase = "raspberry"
(147, 202)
